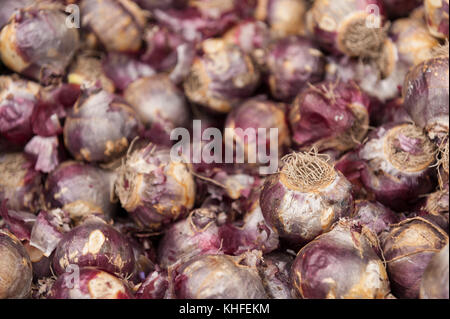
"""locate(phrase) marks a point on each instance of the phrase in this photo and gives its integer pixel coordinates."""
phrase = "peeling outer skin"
(93, 284)
(434, 284)
(299, 216)
(408, 248)
(293, 63)
(41, 265)
(18, 99)
(374, 216)
(436, 15)
(204, 19)
(330, 115)
(157, 99)
(400, 8)
(87, 70)
(97, 244)
(367, 76)
(395, 184)
(20, 183)
(275, 271)
(218, 277)
(221, 78)
(253, 232)
(190, 237)
(426, 96)
(100, 127)
(80, 189)
(123, 69)
(121, 26)
(340, 264)
(331, 21)
(15, 268)
(153, 189)
(255, 114)
(37, 43)
(252, 37)
(285, 17)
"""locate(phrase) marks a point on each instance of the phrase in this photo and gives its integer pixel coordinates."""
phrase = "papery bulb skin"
(123, 69)
(204, 19)
(293, 63)
(252, 37)
(198, 234)
(97, 244)
(434, 283)
(119, 30)
(15, 268)
(93, 284)
(157, 99)
(408, 248)
(426, 96)
(218, 277)
(80, 189)
(100, 127)
(340, 264)
(221, 78)
(20, 183)
(37, 43)
(155, 189)
(397, 160)
(305, 198)
(436, 15)
(18, 99)
(249, 128)
(330, 115)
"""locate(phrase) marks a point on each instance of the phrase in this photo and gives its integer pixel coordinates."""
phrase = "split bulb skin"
(80, 189)
(300, 212)
(408, 249)
(292, 64)
(340, 264)
(97, 244)
(15, 268)
(397, 162)
(38, 44)
(153, 189)
(436, 15)
(93, 284)
(330, 115)
(121, 25)
(218, 277)
(100, 127)
(221, 78)
(20, 183)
